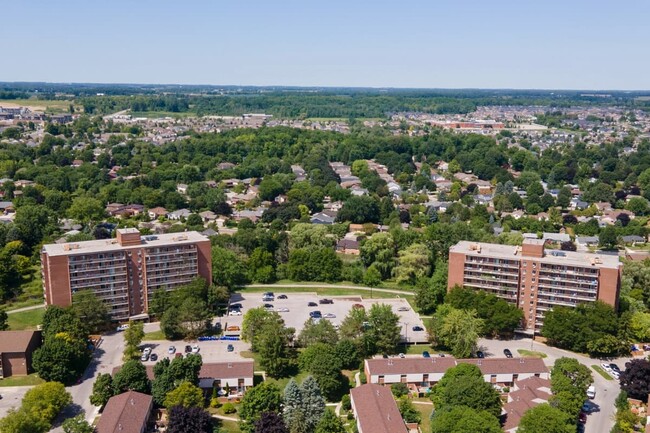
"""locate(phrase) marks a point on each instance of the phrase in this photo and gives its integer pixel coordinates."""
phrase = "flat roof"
(555, 257)
(106, 245)
(15, 341)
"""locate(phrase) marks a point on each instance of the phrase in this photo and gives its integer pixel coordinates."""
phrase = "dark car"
(480, 354)
(153, 357)
(615, 368)
(231, 348)
(582, 417)
(507, 353)
(188, 349)
(325, 301)
(426, 354)
(418, 328)
(581, 428)
(312, 304)
(315, 314)
(282, 296)
(236, 306)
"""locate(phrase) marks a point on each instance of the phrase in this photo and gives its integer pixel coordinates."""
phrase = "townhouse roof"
(526, 394)
(392, 366)
(126, 412)
(376, 409)
(15, 341)
(213, 370)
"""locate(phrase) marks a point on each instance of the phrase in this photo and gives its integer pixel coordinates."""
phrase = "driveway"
(606, 390)
(11, 397)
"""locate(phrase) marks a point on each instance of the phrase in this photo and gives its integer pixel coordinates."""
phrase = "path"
(330, 286)
(20, 310)
(225, 418)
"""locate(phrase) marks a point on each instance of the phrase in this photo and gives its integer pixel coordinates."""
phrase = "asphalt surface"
(600, 421)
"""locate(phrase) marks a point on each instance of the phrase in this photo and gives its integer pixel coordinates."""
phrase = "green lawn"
(330, 291)
(26, 319)
(531, 353)
(31, 291)
(602, 372)
(425, 410)
(156, 335)
(417, 349)
(159, 114)
(30, 380)
(56, 106)
(230, 427)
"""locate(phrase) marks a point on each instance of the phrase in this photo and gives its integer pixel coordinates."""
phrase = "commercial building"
(375, 410)
(534, 279)
(16, 349)
(420, 374)
(125, 271)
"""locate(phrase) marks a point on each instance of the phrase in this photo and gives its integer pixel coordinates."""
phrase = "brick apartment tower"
(125, 271)
(534, 279)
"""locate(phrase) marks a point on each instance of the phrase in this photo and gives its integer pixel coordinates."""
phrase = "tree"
(21, 421)
(330, 423)
(379, 250)
(86, 210)
(408, 411)
(273, 346)
(77, 425)
(133, 336)
(412, 263)
(170, 324)
(46, 400)
(569, 383)
(472, 392)
(264, 397)
(62, 358)
(544, 418)
(261, 265)
(186, 395)
(292, 412)
(102, 389)
(270, 422)
(91, 310)
(33, 223)
(313, 403)
(462, 420)
(322, 331)
(304, 235)
(346, 352)
(384, 328)
(608, 238)
(228, 269)
(635, 380)
(189, 420)
(457, 329)
(3, 320)
(132, 376)
(254, 322)
(359, 210)
(431, 292)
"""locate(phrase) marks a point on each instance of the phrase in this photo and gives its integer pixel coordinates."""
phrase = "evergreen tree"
(330, 423)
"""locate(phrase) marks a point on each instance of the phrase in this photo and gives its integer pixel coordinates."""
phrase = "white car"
(195, 348)
(123, 327)
(606, 367)
(329, 316)
(147, 350)
(234, 313)
(282, 310)
(403, 309)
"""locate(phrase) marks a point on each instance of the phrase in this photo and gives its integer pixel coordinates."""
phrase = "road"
(330, 286)
(606, 390)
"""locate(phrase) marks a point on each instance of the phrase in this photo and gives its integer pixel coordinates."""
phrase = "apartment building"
(125, 271)
(533, 278)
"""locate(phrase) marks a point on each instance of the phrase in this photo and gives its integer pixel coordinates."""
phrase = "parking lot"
(11, 397)
(210, 351)
(298, 308)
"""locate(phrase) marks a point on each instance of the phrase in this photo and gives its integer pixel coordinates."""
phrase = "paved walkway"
(225, 418)
(20, 310)
(331, 286)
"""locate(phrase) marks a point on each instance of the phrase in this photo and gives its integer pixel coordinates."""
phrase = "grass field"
(31, 292)
(26, 319)
(30, 380)
(156, 335)
(531, 353)
(57, 106)
(157, 114)
(332, 291)
(602, 372)
(425, 410)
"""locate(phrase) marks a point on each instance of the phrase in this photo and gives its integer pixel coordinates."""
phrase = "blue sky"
(570, 44)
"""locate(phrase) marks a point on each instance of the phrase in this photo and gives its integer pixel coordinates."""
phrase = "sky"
(547, 44)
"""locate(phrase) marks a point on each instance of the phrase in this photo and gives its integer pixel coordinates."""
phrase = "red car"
(582, 417)
(358, 306)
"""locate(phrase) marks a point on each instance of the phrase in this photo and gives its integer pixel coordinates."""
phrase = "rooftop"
(376, 409)
(551, 256)
(15, 341)
(106, 245)
(126, 412)
(390, 366)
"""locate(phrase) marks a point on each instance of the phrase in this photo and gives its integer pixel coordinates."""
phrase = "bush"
(362, 378)
(215, 403)
(228, 408)
(399, 389)
(346, 405)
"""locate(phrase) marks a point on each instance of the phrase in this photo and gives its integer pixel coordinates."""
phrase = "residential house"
(232, 379)
(348, 246)
(375, 410)
(322, 218)
(181, 188)
(633, 239)
(208, 216)
(16, 350)
(178, 214)
(225, 166)
(556, 237)
(128, 412)
(524, 395)
(587, 241)
(156, 212)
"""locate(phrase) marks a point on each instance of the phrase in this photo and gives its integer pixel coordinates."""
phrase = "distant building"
(16, 349)
(534, 279)
(124, 272)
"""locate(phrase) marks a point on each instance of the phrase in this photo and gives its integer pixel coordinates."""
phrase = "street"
(606, 390)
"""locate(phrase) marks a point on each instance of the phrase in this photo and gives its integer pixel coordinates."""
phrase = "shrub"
(228, 408)
(214, 402)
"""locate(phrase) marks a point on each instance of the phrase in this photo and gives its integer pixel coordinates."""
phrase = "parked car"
(614, 367)
(153, 357)
(171, 350)
(591, 392)
(426, 354)
(268, 307)
(312, 304)
(507, 353)
(325, 301)
(401, 355)
(605, 366)
(188, 349)
(231, 348)
(232, 328)
(282, 310)
(144, 357)
(418, 329)
(582, 417)
(442, 355)
(282, 296)
(358, 306)
(480, 354)
(403, 309)
(195, 348)
(581, 428)
(268, 296)
(329, 316)
(147, 350)
(123, 327)
(315, 314)
(236, 306)
(234, 312)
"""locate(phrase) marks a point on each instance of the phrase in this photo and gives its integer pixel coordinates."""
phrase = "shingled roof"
(125, 413)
